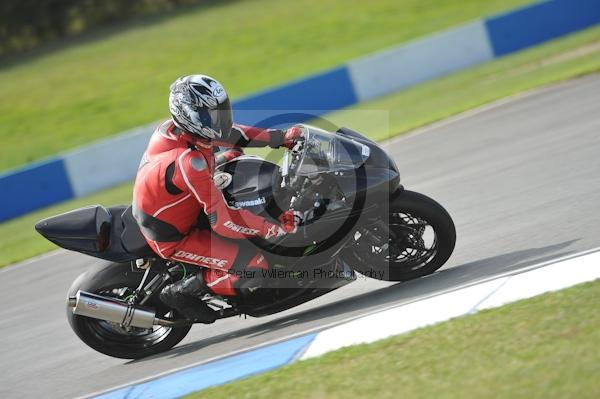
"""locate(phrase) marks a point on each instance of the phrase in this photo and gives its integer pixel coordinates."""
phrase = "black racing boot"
(254, 292)
(183, 296)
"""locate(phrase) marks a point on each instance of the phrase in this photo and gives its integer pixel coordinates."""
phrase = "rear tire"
(415, 219)
(114, 279)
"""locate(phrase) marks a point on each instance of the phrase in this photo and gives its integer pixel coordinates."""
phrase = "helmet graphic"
(200, 106)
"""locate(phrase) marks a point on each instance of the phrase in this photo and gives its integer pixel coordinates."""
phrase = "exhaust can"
(113, 310)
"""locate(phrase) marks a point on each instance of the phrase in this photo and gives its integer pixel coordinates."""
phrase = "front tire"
(425, 237)
(118, 280)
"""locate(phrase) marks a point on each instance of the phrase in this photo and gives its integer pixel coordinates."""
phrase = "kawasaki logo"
(241, 204)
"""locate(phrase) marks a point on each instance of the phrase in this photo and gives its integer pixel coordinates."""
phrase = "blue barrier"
(33, 187)
(325, 91)
(537, 23)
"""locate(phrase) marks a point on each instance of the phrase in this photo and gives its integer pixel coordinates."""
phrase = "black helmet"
(200, 106)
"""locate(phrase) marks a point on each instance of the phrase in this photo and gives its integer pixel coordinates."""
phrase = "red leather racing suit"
(174, 186)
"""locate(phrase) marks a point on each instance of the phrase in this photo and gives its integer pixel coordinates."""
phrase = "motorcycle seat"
(132, 239)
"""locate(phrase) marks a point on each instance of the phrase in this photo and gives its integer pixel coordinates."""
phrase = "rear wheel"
(421, 238)
(119, 281)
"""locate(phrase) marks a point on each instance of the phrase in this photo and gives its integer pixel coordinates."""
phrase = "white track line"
(488, 294)
(484, 280)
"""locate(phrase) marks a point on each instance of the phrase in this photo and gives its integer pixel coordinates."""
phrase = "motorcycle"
(358, 218)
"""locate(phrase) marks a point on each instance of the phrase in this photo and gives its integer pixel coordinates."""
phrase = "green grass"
(566, 58)
(420, 105)
(120, 80)
(545, 347)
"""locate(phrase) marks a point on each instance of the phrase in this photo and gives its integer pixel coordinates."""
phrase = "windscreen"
(327, 152)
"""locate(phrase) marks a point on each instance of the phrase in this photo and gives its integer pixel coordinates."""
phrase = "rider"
(174, 187)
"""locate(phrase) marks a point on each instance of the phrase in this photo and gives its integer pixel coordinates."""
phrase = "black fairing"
(379, 176)
(256, 182)
(377, 182)
(378, 158)
(110, 234)
(254, 186)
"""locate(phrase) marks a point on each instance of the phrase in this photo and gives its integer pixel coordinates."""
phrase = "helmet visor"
(220, 119)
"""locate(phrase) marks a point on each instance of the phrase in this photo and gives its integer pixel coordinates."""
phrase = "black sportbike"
(357, 218)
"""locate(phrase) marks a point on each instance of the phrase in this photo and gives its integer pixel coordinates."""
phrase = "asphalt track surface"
(521, 179)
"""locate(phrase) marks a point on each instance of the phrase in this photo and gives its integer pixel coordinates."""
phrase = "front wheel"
(119, 281)
(420, 240)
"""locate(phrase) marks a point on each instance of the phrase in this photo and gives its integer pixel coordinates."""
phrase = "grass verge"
(119, 80)
(19, 240)
(575, 55)
(544, 347)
